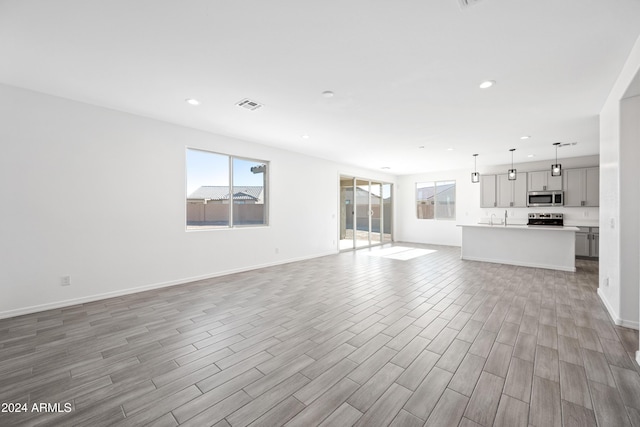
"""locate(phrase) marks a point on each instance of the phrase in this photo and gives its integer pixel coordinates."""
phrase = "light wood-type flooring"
(347, 339)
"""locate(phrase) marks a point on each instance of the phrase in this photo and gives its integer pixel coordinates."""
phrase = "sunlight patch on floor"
(401, 253)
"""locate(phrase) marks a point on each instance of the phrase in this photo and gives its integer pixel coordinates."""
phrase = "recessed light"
(385, 167)
(487, 84)
(192, 101)
(305, 136)
(525, 137)
(328, 94)
(421, 147)
(530, 155)
(450, 149)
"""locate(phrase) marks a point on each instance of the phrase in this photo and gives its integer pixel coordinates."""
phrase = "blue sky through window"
(206, 168)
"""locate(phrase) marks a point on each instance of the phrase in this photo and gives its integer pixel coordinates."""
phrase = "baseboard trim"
(97, 297)
(614, 315)
(520, 264)
(629, 324)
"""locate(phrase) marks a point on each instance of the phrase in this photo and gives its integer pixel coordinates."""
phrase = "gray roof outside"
(362, 195)
(221, 192)
(427, 193)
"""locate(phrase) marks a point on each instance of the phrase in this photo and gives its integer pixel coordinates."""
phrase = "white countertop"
(522, 227)
(574, 223)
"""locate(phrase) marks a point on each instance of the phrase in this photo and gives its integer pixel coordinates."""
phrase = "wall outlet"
(586, 214)
(277, 250)
(606, 282)
(65, 281)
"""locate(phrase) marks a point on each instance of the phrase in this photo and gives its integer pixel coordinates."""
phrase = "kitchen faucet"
(491, 220)
(505, 217)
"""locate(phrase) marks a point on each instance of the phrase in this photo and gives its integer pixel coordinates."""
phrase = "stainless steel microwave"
(545, 198)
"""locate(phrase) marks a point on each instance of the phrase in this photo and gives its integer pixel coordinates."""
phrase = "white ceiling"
(405, 73)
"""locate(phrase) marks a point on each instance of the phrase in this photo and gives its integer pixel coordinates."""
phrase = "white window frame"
(231, 225)
(435, 200)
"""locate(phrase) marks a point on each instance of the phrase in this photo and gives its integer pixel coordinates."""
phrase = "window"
(436, 200)
(225, 191)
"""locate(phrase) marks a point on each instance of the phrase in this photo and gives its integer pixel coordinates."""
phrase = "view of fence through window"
(225, 191)
(436, 200)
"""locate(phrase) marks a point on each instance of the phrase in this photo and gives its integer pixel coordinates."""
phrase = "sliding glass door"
(362, 216)
(347, 227)
(365, 213)
(385, 217)
(375, 212)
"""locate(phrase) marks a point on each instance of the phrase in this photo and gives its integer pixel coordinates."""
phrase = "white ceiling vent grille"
(468, 3)
(249, 104)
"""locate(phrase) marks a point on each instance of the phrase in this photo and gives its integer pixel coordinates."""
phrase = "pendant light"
(512, 172)
(556, 170)
(475, 176)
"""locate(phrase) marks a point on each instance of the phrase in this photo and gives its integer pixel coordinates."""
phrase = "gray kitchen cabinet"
(588, 242)
(511, 194)
(581, 186)
(573, 180)
(582, 242)
(594, 251)
(543, 181)
(488, 191)
(592, 187)
(504, 191)
(520, 191)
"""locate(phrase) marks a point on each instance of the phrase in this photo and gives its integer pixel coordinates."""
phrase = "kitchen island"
(551, 247)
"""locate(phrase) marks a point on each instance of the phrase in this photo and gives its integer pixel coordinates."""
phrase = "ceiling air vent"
(249, 104)
(468, 3)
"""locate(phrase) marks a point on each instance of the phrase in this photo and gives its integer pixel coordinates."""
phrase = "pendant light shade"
(512, 173)
(556, 169)
(475, 176)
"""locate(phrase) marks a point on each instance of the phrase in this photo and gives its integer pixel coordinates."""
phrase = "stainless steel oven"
(546, 219)
(545, 198)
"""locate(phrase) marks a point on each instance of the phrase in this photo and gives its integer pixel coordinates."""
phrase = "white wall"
(619, 200)
(100, 195)
(438, 232)
(468, 211)
(629, 209)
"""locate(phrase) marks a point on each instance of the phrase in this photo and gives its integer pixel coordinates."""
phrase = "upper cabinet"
(581, 186)
(488, 197)
(496, 191)
(543, 181)
(511, 194)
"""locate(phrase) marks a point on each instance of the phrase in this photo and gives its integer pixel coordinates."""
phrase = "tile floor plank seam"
(474, 342)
